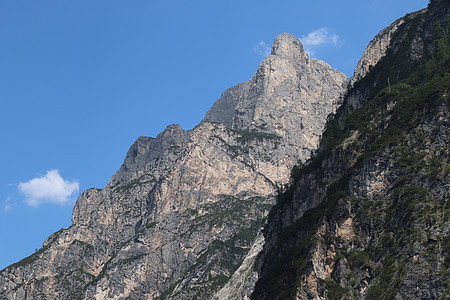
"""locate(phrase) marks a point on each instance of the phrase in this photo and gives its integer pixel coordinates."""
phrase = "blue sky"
(81, 80)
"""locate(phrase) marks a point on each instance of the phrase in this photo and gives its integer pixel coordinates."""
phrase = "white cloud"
(262, 49)
(51, 188)
(317, 38)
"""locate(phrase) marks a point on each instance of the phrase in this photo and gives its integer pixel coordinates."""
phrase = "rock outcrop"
(179, 217)
(376, 49)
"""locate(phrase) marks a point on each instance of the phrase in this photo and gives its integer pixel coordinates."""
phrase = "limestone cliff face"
(368, 216)
(183, 211)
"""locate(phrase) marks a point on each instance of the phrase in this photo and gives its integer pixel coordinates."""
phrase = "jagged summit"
(286, 85)
(287, 45)
(285, 64)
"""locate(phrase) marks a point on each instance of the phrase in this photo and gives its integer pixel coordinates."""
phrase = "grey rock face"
(182, 212)
(242, 283)
(148, 154)
(223, 110)
(289, 47)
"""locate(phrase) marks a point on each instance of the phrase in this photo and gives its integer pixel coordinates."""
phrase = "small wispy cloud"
(7, 205)
(318, 38)
(262, 49)
(50, 188)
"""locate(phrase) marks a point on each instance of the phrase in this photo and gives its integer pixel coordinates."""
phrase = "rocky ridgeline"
(185, 208)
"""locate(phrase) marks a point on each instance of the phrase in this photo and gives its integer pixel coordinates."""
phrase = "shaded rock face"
(368, 217)
(375, 51)
(183, 211)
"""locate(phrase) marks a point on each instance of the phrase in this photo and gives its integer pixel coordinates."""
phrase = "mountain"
(368, 216)
(299, 184)
(183, 211)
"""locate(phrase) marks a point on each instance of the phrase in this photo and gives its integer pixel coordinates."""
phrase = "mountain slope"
(182, 212)
(368, 216)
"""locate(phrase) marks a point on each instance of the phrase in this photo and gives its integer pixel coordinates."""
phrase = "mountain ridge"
(179, 216)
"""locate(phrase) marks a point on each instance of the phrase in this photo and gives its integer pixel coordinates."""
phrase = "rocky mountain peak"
(173, 134)
(287, 45)
(288, 93)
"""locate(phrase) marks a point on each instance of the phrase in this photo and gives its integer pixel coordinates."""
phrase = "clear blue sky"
(81, 80)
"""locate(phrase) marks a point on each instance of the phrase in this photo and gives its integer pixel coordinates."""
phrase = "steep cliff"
(368, 216)
(181, 214)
